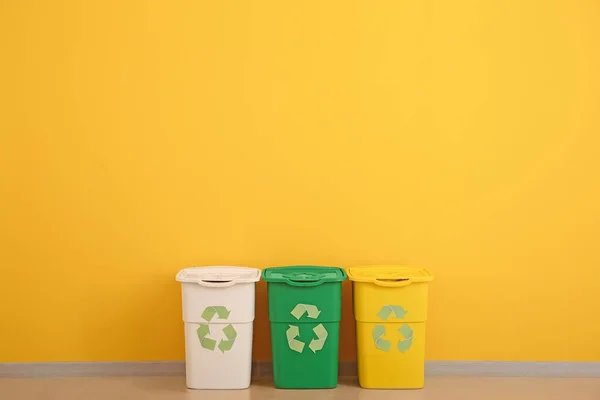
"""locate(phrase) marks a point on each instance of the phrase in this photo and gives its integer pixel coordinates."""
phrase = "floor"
(173, 388)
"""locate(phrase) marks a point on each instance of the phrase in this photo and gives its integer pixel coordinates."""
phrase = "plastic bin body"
(390, 308)
(305, 306)
(218, 315)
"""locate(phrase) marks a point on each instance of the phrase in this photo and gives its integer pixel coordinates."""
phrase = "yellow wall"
(141, 137)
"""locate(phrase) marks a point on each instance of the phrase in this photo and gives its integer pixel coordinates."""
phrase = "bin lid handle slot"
(218, 276)
(303, 282)
(393, 282)
(212, 283)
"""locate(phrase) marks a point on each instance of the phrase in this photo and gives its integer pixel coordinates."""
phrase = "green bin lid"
(303, 275)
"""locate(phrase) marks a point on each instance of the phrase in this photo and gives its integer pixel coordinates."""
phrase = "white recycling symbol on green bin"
(315, 344)
(310, 310)
(405, 330)
(203, 331)
(293, 331)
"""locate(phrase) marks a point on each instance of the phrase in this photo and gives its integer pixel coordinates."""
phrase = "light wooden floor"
(173, 388)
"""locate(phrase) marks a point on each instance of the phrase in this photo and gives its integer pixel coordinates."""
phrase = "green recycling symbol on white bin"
(210, 311)
(203, 331)
(315, 344)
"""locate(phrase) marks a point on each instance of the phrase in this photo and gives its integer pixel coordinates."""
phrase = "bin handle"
(215, 284)
(299, 283)
(392, 283)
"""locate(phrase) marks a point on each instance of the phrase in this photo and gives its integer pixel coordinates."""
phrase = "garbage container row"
(305, 303)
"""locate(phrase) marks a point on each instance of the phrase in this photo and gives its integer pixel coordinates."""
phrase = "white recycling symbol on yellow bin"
(405, 330)
(293, 331)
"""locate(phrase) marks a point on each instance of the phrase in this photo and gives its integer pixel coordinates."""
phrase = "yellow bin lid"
(389, 275)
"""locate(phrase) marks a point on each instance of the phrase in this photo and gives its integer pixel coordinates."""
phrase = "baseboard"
(265, 369)
(73, 369)
(513, 369)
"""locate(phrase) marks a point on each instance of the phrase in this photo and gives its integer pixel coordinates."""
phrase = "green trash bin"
(305, 307)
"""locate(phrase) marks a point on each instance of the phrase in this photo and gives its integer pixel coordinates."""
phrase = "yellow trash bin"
(390, 309)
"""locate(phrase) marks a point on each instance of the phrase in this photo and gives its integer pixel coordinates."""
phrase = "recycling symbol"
(405, 330)
(203, 331)
(209, 312)
(293, 331)
(310, 310)
(386, 311)
(315, 344)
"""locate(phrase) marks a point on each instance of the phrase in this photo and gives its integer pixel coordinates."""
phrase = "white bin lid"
(218, 276)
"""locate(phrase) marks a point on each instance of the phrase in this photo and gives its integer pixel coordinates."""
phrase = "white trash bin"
(218, 313)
